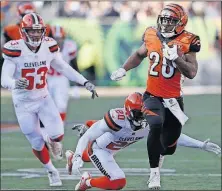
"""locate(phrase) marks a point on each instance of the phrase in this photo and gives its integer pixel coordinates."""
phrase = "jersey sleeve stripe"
(54, 48)
(72, 53)
(11, 53)
(111, 124)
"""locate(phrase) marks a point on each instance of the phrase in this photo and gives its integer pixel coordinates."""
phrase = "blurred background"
(108, 32)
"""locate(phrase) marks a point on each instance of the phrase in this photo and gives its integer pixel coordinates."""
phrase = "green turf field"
(188, 169)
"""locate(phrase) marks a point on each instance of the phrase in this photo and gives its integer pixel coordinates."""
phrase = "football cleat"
(154, 181)
(54, 178)
(82, 183)
(55, 148)
(211, 147)
(69, 156)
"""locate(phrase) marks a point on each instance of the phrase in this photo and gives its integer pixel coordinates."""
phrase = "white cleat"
(69, 156)
(55, 148)
(54, 178)
(154, 181)
(82, 183)
(211, 147)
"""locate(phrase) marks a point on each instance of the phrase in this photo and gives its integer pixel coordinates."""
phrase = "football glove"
(170, 53)
(91, 87)
(81, 128)
(21, 83)
(118, 74)
(211, 147)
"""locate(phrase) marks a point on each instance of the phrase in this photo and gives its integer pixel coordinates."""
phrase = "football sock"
(89, 123)
(49, 166)
(154, 147)
(106, 184)
(187, 141)
(63, 116)
(85, 156)
(42, 155)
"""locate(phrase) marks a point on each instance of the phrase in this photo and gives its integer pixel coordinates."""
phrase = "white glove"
(211, 147)
(118, 74)
(81, 128)
(21, 83)
(170, 53)
(77, 163)
(91, 87)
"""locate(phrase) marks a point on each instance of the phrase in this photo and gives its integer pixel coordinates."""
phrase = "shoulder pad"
(115, 119)
(71, 47)
(149, 30)
(52, 44)
(12, 49)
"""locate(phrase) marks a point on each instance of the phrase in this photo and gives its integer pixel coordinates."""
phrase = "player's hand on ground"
(170, 53)
(81, 128)
(211, 147)
(118, 74)
(77, 163)
(91, 87)
(21, 83)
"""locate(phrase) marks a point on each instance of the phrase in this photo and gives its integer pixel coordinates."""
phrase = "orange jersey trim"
(110, 123)
(54, 48)
(11, 53)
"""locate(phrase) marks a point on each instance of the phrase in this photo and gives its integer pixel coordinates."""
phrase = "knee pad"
(118, 184)
(37, 143)
(58, 138)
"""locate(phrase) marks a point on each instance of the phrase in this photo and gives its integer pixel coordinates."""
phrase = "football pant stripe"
(54, 48)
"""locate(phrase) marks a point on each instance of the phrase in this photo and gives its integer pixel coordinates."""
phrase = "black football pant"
(165, 128)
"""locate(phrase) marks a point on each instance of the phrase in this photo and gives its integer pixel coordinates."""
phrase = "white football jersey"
(122, 134)
(32, 66)
(69, 52)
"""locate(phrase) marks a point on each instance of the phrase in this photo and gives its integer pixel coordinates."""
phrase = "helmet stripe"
(179, 10)
(171, 11)
(34, 17)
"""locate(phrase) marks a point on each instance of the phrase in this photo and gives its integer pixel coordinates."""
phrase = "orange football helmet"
(58, 32)
(25, 8)
(172, 20)
(32, 29)
(133, 107)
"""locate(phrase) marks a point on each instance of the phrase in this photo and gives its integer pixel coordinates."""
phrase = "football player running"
(172, 54)
(24, 71)
(119, 128)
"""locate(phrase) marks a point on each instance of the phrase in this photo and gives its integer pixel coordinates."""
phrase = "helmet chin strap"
(168, 35)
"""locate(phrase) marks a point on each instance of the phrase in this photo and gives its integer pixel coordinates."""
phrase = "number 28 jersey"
(164, 79)
(32, 66)
(122, 134)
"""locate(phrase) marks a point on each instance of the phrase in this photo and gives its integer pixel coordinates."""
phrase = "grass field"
(188, 169)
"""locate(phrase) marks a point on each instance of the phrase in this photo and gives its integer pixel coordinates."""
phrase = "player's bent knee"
(118, 184)
(58, 139)
(37, 143)
(170, 150)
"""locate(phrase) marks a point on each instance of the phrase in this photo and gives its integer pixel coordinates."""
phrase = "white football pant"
(28, 115)
(104, 161)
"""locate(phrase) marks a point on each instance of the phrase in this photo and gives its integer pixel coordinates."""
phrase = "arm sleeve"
(61, 66)
(195, 44)
(8, 69)
(95, 131)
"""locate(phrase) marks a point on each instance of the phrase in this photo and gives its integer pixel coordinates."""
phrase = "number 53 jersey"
(122, 134)
(32, 66)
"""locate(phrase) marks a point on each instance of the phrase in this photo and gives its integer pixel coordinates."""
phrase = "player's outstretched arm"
(61, 66)
(186, 141)
(133, 61)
